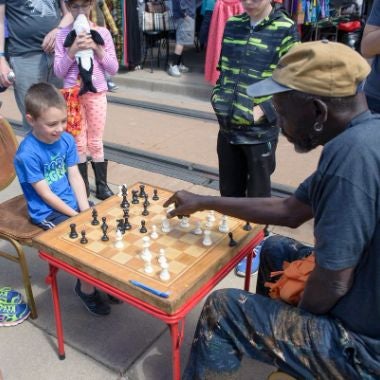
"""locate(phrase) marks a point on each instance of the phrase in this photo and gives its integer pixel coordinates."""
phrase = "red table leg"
(52, 280)
(176, 333)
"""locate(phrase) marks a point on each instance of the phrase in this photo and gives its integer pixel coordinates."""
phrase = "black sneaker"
(113, 300)
(93, 302)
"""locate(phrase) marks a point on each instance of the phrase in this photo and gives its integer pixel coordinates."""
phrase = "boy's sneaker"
(173, 71)
(242, 266)
(13, 314)
(8, 295)
(93, 302)
(112, 87)
(183, 69)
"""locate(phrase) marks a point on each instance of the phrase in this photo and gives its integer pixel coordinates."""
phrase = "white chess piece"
(161, 256)
(223, 226)
(211, 215)
(184, 223)
(210, 221)
(165, 226)
(164, 274)
(119, 240)
(154, 234)
(207, 238)
(146, 254)
(120, 194)
(148, 267)
(198, 229)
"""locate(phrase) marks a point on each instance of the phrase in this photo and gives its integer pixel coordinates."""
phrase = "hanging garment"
(224, 9)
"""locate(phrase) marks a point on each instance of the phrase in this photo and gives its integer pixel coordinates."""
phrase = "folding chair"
(15, 226)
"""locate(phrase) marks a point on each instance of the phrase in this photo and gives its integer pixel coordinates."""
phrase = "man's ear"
(321, 110)
(29, 119)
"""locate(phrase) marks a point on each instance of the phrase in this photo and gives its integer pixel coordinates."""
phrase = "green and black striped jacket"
(249, 55)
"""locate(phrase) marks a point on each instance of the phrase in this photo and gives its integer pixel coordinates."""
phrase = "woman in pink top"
(88, 130)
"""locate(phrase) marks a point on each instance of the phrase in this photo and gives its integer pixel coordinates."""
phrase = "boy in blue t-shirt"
(46, 166)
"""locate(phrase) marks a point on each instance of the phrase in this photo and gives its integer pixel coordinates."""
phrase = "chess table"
(194, 269)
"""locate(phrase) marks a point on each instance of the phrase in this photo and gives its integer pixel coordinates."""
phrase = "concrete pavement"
(128, 344)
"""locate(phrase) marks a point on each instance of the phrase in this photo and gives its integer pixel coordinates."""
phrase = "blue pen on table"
(150, 289)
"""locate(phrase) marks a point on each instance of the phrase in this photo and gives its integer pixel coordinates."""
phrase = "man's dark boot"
(102, 189)
(84, 173)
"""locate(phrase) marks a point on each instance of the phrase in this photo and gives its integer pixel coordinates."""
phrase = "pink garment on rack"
(223, 10)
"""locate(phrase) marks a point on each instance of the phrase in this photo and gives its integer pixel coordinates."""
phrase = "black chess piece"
(95, 220)
(146, 196)
(105, 236)
(232, 242)
(120, 225)
(104, 222)
(126, 212)
(135, 197)
(247, 227)
(83, 239)
(155, 195)
(73, 232)
(127, 225)
(145, 211)
(143, 229)
(124, 190)
(142, 191)
(124, 203)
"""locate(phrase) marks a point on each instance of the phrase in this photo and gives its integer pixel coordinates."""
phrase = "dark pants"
(245, 169)
(373, 104)
(234, 323)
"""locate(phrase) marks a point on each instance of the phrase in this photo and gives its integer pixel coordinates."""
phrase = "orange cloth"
(74, 114)
(290, 286)
(223, 10)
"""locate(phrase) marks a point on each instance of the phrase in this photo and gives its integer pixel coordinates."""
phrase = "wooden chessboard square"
(132, 238)
(96, 246)
(190, 238)
(179, 245)
(114, 212)
(194, 251)
(176, 267)
(172, 254)
(135, 262)
(185, 259)
(121, 257)
(156, 270)
(175, 233)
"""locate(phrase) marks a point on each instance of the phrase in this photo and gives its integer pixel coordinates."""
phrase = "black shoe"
(93, 302)
(102, 189)
(113, 300)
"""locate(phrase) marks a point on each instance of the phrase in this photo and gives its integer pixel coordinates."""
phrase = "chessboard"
(119, 256)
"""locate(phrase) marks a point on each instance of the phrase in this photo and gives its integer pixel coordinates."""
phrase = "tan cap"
(321, 68)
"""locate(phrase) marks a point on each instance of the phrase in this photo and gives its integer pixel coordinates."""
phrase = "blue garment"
(36, 161)
(183, 8)
(344, 194)
(234, 323)
(372, 84)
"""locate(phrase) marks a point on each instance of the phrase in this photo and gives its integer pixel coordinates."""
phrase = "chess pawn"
(223, 226)
(198, 229)
(154, 234)
(148, 267)
(161, 257)
(164, 274)
(119, 239)
(207, 238)
(211, 215)
(209, 222)
(165, 226)
(184, 223)
(146, 245)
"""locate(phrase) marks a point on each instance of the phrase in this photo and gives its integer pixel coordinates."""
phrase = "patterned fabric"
(74, 114)
(248, 56)
(234, 323)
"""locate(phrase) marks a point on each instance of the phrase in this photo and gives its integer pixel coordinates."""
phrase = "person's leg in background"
(95, 109)
(184, 36)
(232, 168)
(30, 69)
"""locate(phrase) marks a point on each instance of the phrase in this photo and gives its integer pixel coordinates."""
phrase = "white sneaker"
(183, 68)
(174, 71)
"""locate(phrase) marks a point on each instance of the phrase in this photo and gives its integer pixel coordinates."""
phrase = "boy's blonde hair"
(40, 97)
